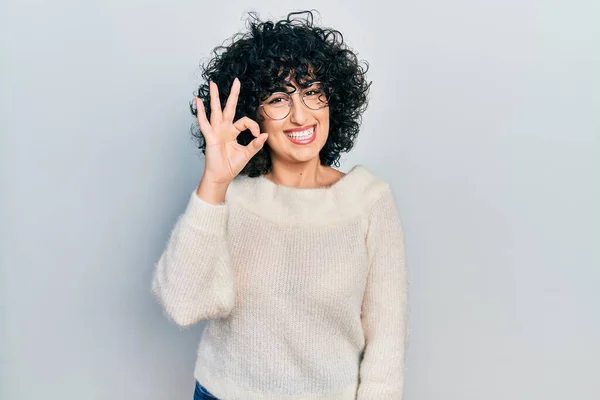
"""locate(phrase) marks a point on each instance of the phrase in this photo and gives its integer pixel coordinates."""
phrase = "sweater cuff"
(207, 217)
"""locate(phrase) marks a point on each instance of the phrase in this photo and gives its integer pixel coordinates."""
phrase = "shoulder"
(367, 188)
(354, 194)
(244, 188)
(379, 201)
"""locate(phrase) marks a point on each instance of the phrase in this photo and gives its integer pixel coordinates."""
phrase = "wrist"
(211, 191)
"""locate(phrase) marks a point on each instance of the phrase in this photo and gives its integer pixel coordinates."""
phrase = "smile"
(305, 136)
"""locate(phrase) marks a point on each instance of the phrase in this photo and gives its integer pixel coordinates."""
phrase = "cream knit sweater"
(305, 290)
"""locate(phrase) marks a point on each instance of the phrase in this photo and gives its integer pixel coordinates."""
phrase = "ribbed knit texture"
(305, 290)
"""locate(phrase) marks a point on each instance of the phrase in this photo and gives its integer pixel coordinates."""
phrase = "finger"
(256, 144)
(246, 123)
(215, 104)
(229, 110)
(201, 116)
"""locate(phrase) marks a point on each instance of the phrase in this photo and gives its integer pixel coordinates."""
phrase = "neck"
(310, 174)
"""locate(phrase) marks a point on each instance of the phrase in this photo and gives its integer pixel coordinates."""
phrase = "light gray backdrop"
(484, 117)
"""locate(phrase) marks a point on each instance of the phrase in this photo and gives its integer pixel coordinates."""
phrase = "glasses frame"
(292, 102)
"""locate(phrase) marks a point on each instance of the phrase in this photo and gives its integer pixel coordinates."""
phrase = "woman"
(298, 268)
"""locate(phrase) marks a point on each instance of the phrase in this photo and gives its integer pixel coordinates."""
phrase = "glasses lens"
(278, 106)
(314, 97)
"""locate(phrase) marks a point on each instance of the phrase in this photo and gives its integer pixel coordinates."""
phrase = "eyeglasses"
(279, 104)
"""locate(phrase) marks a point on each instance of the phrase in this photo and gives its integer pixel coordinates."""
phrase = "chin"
(305, 154)
(304, 158)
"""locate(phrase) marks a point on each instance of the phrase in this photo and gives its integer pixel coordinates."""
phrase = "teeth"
(303, 135)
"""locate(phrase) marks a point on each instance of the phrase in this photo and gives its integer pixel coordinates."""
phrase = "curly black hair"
(265, 56)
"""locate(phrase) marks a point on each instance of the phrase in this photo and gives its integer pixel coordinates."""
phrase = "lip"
(302, 143)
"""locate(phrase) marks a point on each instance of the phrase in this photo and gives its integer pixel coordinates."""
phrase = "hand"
(225, 157)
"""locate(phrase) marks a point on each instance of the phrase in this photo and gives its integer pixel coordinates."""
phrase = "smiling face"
(300, 136)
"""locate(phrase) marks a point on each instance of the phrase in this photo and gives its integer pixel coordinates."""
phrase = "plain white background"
(484, 116)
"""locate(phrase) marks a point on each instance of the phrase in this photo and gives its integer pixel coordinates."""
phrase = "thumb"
(258, 142)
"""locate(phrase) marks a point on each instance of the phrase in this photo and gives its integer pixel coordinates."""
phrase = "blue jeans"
(200, 393)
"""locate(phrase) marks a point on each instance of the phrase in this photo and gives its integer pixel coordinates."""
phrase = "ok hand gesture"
(225, 157)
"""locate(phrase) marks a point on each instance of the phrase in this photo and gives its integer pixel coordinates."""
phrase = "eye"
(315, 89)
(276, 100)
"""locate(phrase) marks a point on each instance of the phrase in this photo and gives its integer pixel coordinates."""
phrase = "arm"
(193, 279)
(385, 306)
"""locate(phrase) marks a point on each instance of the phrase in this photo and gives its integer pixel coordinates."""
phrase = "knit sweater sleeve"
(385, 305)
(193, 279)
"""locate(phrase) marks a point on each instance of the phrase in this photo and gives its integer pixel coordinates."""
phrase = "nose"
(298, 111)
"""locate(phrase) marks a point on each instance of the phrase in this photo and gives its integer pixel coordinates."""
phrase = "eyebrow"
(309, 82)
(287, 85)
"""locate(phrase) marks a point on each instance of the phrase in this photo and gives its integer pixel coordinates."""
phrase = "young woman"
(298, 268)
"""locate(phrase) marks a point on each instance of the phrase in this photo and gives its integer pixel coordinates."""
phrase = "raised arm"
(194, 279)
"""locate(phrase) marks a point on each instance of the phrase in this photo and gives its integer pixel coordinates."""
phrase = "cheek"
(273, 129)
(324, 116)
(324, 121)
(263, 122)
(265, 126)
(269, 127)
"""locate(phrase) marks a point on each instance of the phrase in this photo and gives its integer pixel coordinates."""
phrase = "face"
(301, 135)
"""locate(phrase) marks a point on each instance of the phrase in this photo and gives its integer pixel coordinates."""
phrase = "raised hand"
(225, 157)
